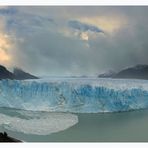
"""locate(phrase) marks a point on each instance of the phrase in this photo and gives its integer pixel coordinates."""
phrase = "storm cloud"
(59, 41)
(83, 26)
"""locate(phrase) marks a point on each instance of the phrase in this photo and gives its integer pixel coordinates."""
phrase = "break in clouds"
(59, 41)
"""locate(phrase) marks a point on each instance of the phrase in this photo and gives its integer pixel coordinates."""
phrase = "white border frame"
(74, 2)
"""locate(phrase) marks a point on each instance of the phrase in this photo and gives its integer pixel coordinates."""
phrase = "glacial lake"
(97, 127)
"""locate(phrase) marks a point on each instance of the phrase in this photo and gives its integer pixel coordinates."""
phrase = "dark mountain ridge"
(5, 74)
(17, 74)
(21, 75)
(108, 74)
(136, 72)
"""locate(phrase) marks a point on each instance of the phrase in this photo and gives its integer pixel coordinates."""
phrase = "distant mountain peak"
(139, 71)
(107, 74)
(17, 74)
(140, 66)
(2, 67)
(20, 74)
(5, 74)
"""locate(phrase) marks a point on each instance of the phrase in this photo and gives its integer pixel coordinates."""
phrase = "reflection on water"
(125, 126)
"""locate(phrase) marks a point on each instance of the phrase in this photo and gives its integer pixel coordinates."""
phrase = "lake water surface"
(98, 127)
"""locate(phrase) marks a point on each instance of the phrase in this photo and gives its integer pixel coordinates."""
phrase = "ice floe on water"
(38, 123)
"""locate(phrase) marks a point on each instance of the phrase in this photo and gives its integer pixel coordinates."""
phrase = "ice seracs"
(75, 95)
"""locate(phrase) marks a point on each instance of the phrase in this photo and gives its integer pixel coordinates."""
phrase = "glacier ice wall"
(75, 95)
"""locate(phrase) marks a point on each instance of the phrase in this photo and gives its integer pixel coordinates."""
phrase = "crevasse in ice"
(75, 95)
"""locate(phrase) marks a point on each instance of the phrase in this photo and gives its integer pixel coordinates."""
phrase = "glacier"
(75, 95)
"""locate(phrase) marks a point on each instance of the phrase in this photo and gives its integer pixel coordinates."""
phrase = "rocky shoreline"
(5, 138)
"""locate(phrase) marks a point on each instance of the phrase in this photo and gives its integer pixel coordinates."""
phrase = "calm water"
(107, 127)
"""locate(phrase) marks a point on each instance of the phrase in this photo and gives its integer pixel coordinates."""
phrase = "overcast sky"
(59, 41)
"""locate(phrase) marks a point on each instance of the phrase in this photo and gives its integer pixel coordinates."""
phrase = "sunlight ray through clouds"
(5, 47)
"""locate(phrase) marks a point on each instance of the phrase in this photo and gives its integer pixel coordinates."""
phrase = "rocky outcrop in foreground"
(5, 138)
